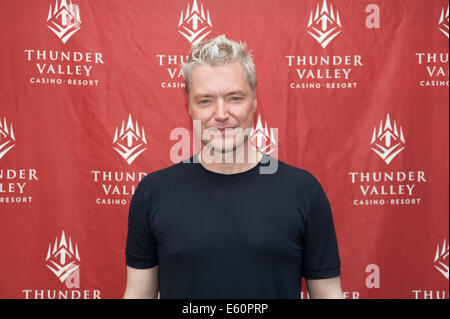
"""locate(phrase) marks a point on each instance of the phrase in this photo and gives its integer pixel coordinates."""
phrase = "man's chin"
(224, 148)
(225, 145)
(220, 149)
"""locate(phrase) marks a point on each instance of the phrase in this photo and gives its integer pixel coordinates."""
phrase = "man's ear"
(255, 104)
(187, 105)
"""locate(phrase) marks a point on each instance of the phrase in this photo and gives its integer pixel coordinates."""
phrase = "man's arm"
(329, 288)
(142, 283)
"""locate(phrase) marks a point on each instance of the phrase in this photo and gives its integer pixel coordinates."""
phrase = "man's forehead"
(205, 71)
(218, 80)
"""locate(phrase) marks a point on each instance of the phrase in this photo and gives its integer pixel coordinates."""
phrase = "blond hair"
(220, 51)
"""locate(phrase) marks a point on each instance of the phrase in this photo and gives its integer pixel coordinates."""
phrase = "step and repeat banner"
(92, 92)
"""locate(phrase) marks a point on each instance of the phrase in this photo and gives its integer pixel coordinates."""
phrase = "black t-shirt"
(245, 235)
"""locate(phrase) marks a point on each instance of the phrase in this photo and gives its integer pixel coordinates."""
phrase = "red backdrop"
(91, 91)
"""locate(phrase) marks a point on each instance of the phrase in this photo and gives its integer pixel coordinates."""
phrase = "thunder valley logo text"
(64, 262)
(387, 187)
(329, 72)
(194, 25)
(440, 263)
(434, 66)
(128, 143)
(63, 67)
(14, 183)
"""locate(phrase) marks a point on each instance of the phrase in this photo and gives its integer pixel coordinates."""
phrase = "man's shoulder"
(296, 172)
(295, 175)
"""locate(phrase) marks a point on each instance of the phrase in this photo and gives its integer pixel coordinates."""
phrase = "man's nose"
(221, 111)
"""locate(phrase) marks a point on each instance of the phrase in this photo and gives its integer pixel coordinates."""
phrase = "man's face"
(220, 97)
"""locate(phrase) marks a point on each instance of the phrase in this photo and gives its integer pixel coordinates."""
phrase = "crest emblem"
(388, 141)
(444, 21)
(324, 25)
(195, 23)
(7, 139)
(64, 20)
(439, 259)
(130, 141)
(262, 139)
(63, 260)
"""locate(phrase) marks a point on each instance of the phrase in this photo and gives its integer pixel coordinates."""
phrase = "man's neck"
(227, 167)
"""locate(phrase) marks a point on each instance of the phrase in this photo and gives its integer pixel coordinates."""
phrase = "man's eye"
(235, 98)
(204, 101)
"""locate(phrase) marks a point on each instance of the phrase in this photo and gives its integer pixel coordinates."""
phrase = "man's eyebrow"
(202, 95)
(206, 95)
(236, 93)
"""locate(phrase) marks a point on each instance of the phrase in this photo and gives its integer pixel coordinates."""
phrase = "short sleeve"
(141, 247)
(320, 254)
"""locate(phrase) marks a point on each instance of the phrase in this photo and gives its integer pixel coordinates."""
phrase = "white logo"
(441, 256)
(65, 20)
(130, 142)
(444, 22)
(261, 138)
(6, 135)
(63, 261)
(394, 140)
(324, 25)
(195, 25)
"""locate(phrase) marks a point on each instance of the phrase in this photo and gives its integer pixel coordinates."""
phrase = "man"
(219, 228)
